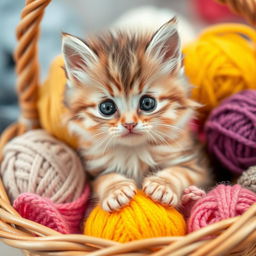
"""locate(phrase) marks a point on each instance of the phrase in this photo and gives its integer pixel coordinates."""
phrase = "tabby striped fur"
(162, 157)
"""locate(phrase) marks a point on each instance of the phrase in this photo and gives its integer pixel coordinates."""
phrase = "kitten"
(131, 114)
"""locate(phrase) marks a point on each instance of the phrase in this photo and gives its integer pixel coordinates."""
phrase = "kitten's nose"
(129, 126)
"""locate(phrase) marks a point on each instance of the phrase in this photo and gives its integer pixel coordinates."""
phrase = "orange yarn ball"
(51, 103)
(220, 63)
(141, 219)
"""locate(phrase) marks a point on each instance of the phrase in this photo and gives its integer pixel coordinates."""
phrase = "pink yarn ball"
(231, 131)
(64, 218)
(197, 128)
(212, 11)
(221, 203)
(46, 179)
(41, 210)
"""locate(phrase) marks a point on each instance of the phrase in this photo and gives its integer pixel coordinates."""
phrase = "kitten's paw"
(192, 194)
(160, 190)
(118, 196)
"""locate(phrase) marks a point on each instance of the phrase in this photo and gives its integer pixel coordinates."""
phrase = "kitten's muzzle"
(129, 126)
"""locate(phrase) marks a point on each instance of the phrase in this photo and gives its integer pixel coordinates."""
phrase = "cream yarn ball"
(248, 179)
(38, 163)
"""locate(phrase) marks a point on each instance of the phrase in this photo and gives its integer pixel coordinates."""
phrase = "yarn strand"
(223, 202)
(231, 132)
(220, 63)
(38, 163)
(142, 219)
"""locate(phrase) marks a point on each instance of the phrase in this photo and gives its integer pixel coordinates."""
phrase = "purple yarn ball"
(231, 131)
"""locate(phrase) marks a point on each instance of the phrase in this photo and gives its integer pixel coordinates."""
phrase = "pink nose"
(129, 126)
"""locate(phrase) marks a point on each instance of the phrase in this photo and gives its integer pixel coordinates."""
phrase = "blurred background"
(81, 17)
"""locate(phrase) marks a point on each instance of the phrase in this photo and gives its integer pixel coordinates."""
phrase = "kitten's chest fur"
(133, 162)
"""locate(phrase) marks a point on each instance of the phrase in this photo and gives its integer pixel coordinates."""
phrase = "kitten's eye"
(107, 107)
(147, 103)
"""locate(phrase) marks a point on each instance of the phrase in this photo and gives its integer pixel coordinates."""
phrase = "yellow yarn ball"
(141, 219)
(51, 103)
(221, 62)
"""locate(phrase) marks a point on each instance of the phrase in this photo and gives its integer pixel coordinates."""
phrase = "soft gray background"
(74, 16)
(77, 17)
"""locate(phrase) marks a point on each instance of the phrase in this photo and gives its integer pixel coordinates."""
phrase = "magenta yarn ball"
(223, 202)
(213, 12)
(231, 131)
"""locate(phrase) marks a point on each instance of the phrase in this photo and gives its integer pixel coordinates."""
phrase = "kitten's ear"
(165, 46)
(77, 57)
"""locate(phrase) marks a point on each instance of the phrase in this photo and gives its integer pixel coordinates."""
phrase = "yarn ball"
(221, 203)
(198, 130)
(248, 179)
(64, 218)
(38, 163)
(211, 11)
(231, 131)
(221, 62)
(51, 105)
(142, 218)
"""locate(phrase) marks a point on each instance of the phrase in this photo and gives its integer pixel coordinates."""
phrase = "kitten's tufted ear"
(165, 46)
(77, 57)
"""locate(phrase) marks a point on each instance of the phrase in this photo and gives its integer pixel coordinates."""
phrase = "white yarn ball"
(38, 163)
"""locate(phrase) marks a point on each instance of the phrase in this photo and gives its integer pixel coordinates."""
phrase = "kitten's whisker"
(97, 135)
(100, 142)
(151, 136)
(169, 138)
(107, 144)
(172, 126)
(159, 136)
(159, 123)
(168, 125)
(165, 137)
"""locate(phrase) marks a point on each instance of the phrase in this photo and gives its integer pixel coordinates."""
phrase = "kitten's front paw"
(160, 190)
(118, 196)
(192, 194)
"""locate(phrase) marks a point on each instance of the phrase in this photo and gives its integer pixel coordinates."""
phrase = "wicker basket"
(235, 236)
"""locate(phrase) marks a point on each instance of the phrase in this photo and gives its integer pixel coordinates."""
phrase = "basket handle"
(245, 8)
(26, 57)
(27, 68)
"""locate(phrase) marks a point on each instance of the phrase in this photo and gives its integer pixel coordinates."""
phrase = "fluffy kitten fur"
(159, 154)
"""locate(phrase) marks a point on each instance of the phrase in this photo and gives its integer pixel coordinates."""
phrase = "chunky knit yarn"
(221, 203)
(51, 105)
(220, 63)
(142, 218)
(248, 179)
(38, 163)
(231, 131)
(64, 218)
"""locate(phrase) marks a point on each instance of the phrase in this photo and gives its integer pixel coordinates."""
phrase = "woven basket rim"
(234, 236)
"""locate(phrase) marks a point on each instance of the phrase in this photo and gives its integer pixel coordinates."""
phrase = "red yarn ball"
(212, 11)
(64, 218)
(198, 129)
(231, 131)
(41, 210)
(221, 203)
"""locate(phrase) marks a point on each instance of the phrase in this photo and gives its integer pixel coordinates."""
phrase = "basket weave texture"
(234, 236)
